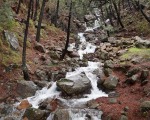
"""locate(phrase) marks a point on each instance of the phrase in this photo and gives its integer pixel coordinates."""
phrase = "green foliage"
(6, 17)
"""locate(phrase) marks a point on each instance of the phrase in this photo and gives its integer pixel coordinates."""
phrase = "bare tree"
(24, 67)
(68, 32)
(40, 21)
(36, 9)
(56, 15)
(18, 8)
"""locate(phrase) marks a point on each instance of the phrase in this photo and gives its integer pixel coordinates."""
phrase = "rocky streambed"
(70, 94)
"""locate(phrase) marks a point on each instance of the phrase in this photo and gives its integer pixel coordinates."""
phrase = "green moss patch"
(133, 52)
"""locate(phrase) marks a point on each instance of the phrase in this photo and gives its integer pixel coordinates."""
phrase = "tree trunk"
(40, 21)
(18, 8)
(36, 8)
(56, 15)
(24, 67)
(68, 32)
(145, 16)
(32, 9)
(118, 14)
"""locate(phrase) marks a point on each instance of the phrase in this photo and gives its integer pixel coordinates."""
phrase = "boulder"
(41, 74)
(145, 106)
(144, 74)
(88, 18)
(72, 87)
(26, 88)
(140, 43)
(36, 114)
(132, 72)
(39, 47)
(12, 39)
(61, 114)
(111, 82)
(132, 80)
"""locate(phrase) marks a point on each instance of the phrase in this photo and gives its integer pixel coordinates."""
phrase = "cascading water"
(80, 114)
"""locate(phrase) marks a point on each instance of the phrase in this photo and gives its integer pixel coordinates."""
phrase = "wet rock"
(144, 74)
(92, 104)
(111, 82)
(71, 87)
(101, 79)
(39, 47)
(41, 74)
(132, 72)
(12, 39)
(61, 114)
(41, 84)
(145, 106)
(36, 114)
(89, 37)
(88, 18)
(24, 104)
(26, 88)
(73, 54)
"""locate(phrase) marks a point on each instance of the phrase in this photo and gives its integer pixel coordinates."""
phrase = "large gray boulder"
(111, 82)
(72, 87)
(12, 39)
(61, 114)
(26, 88)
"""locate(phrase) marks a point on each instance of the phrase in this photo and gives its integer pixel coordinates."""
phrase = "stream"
(76, 113)
(76, 107)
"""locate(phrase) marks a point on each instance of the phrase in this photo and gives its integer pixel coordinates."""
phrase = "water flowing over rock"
(81, 85)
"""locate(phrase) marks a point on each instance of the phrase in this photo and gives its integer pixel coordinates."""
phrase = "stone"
(39, 47)
(24, 104)
(140, 43)
(108, 64)
(26, 88)
(132, 80)
(144, 74)
(12, 39)
(77, 86)
(89, 18)
(36, 114)
(41, 74)
(41, 84)
(111, 82)
(145, 106)
(61, 114)
(132, 72)
(107, 71)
